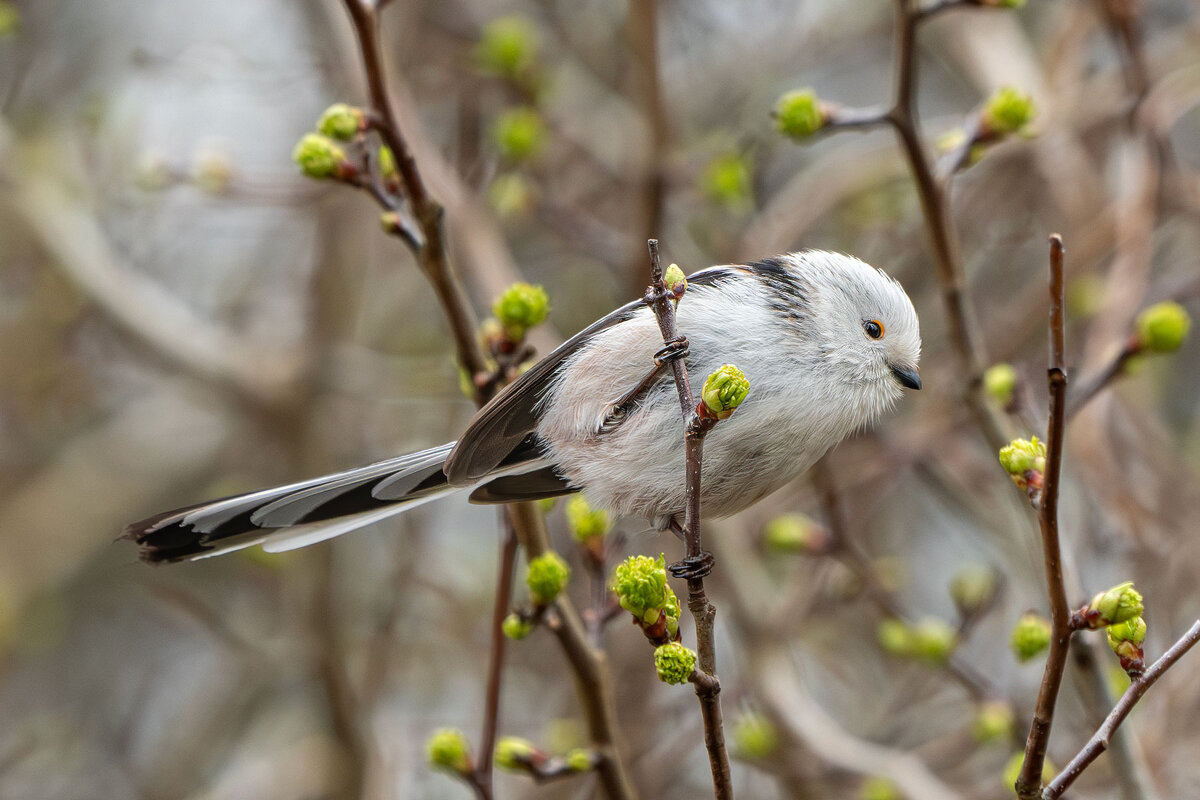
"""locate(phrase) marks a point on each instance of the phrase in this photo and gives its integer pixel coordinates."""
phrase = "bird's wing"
(504, 423)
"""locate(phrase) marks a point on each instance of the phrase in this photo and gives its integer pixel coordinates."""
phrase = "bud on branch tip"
(547, 577)
(341, 121)
(447, 749)
(674, 663)
(1163, 327)
(798, 114)
(724, 391)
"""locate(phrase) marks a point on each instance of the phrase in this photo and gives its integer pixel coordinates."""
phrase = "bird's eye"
(874, 328)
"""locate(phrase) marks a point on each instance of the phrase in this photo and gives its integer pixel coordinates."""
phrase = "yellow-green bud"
(933, 640)
(515, 753)
(1008, 111)
(754, 736)
(387, 162)
(674, 663)
(895, 637)
(1012, 770)
(798, 114)
(1163, 327)
(1131, 630)
(10, 18)
(447, 749)
(993, 721)
(795, 533)
(519, 133)
(724, 391)
(999, 382)
(578, 760)
(341, 121)
(973, 587)
(586, 523)
(547, 577)
(507, 46)
(511, 194)
(521, 307)
(675, 280)
(1030, 636)
(640, 584)
(726, 181)
(1119, 604)
(877, 787)
(318, 156)
(1021, 456)
(516, 627)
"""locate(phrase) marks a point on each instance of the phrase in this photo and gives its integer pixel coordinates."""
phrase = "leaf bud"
(724, 391)
(1007, 111)
(516, 627)
(1163, 327)
(999, 383)
(1030, 636)
(796, 533)
(1119, 604)
(521, 307)
(318, 156)
(341, 121)
(447, 749)
(674, 663)
(547, 577)
(798, 114)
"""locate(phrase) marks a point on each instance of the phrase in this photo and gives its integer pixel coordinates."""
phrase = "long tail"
(298, 514)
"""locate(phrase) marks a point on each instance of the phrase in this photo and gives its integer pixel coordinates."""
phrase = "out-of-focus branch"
(1029, 783)
(1103, 736)
(708, 687)
(643, 40)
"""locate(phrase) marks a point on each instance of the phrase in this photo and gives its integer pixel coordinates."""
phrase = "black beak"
(907, 376)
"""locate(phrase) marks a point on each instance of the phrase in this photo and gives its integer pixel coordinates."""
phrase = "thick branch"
(1103, 736)
(1029, 783)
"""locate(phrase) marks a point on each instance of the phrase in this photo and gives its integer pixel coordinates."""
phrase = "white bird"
(826, 341)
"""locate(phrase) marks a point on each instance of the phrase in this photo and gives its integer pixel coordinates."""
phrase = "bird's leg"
(676, 348)
(692, 567)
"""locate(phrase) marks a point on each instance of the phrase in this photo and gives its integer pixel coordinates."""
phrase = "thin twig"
(1100, 740)
(708, 686)
(1029, 783)
(1101, 380)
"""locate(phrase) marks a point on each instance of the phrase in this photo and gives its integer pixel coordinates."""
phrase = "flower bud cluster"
(674, 663)
(723, 392)
(1030, 636)
(640, 584)
(547, 577)
(1025, 462)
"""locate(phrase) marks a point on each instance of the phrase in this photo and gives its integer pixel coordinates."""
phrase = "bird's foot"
(675, 349)
(693, 567)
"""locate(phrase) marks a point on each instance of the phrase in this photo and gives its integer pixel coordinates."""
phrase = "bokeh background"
(183, 315)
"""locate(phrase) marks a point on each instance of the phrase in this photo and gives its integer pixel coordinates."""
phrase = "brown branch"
(1029, 783)
(1093, 386)
(708, 687)
(1103, 736)
(643, 42)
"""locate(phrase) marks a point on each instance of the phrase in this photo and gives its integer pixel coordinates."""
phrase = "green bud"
(1030, 636)
(798, 114)
(1008, 111)
(795, 533)
(895, 637)
(1163, 327)
(726, 181)
(521, 307)
(507, 47)
(1012, 770)
(511, 194)
(578, 760)
(933, 640)
(640, 584)
(754, 736)
(675, 280)
(1021, 456)
(724, 391)
(318, 156)
(10, 19)
(341, 121)
(519, 134)
(878, 788)
(1119, 604)
(387, 162)
(514, 753)
(447, 749)
(674, 663)
(1131, 630)
(973, 587)
(516, 627)
(547, 577)
(999, 382)
(993, 721)
(586, 523)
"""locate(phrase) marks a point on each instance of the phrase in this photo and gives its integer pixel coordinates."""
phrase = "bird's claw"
(675, 349)
(693, 567)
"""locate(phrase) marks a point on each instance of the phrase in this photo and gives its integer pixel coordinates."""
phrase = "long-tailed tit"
(826, 341)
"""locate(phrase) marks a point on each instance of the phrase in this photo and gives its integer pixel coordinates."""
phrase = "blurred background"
(183, 315)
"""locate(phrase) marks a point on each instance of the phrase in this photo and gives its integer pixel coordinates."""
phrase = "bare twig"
(643, 41)
(1029, 783)
(708, 687)
(1100, 740)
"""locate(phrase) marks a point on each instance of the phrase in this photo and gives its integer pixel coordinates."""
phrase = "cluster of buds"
(518, 308)
(1119, 604)
(1126, 640)
(547, 577)
(322, 154)
(931, 640)
(1030, 636)
(640, 584)
(515, 754)
(588, 527)
(723, 392)
(1025, 462)
(796, 533)
(674, 663)
(1008, 112)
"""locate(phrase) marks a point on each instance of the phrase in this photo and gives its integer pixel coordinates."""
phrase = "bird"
(827, 341)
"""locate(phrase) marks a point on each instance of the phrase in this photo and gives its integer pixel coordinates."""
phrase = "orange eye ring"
(874, 328)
